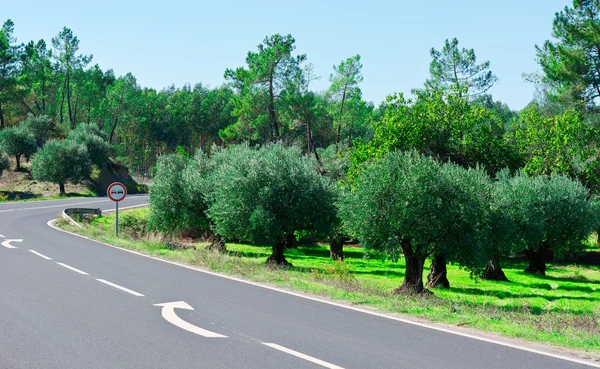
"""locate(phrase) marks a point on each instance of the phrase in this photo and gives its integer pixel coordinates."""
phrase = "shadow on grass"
(580, 279)
(18, 195)
(503, 294)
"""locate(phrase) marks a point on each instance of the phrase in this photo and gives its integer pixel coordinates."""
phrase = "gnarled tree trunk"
(217, 244)
(537, 265)
(18, 158)
(277, 257)
(438, 274)
(413, 277)
(493, 271)
(62, 189)
(336, 248)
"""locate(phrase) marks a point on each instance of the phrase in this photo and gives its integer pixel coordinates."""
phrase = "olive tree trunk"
(413, 277)
(438, 274)
(493, 271)
(277, 257)
(537, 265)
(217, 244)
(62, 189)
(336, 248)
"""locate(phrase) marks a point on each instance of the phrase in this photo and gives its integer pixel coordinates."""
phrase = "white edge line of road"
(50, 223)
(302, 356)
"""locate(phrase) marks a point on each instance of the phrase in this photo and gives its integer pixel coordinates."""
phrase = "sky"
(177, 42)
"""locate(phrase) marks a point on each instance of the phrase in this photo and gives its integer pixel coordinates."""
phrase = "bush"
(407, 203)
(265, 195)
(18, 142)
(133, 224)
(41, 127)
(550, 213)
(61, 162)
(168, 201)
(4, 164)
(94, 139)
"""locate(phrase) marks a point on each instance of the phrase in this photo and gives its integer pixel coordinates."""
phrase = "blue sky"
(177, 41)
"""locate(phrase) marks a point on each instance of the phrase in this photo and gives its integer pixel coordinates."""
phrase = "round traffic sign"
(116, 191)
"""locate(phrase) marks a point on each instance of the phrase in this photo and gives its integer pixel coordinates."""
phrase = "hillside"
(21, 186)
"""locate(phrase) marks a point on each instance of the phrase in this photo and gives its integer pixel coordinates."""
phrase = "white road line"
(119, 287)
(497, 341)
(302, 356)
(2, 236)
(40, 255)
(71, 268)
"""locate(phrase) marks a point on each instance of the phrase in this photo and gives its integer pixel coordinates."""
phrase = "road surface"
(67, 302)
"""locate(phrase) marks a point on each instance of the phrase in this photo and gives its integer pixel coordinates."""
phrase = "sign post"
(116, 192)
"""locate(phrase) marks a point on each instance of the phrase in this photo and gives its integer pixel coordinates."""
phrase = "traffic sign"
(116, 192)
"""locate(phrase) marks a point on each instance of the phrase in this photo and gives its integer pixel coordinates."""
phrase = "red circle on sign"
(116, 192)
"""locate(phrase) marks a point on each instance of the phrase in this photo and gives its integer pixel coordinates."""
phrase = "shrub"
(407, 203)
(265, 195)
(550, 213)
(168, 201)
(41, 127)
(61, 162)
(134, 224)
(94, 140)
(18, 142)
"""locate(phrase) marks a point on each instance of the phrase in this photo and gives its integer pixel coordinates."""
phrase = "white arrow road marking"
(302, 356)
(168, 312)
(119, 287)
(71, 268)
(39, 254)
(8, 245)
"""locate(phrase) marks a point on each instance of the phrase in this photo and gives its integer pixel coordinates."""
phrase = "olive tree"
(168, 203)
(178, 196)
(61, 162)
(42, 127)
(406, 203)
(551, 214)
(94, 139)
(265, 195)
(18, 142)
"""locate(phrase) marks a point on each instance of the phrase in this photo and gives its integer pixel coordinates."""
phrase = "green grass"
(561, 309)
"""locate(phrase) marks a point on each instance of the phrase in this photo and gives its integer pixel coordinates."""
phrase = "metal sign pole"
(117, 220)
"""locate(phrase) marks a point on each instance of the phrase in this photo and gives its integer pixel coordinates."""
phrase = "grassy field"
(562, 309)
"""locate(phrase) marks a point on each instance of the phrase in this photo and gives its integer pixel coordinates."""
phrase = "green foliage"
(570, 62)
(41, 126)
(266, 194)
(61, 162)
(412, 200)
(447, 127)
(94, 139)
(267, 74)
(336, 162)
(456, 71)
(549, 212)
(17, 142)
(564, 144)
(168, 201)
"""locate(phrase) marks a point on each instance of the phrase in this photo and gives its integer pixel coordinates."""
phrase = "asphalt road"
(67, 302)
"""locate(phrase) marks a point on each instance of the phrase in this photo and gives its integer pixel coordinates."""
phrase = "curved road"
(67, 302)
